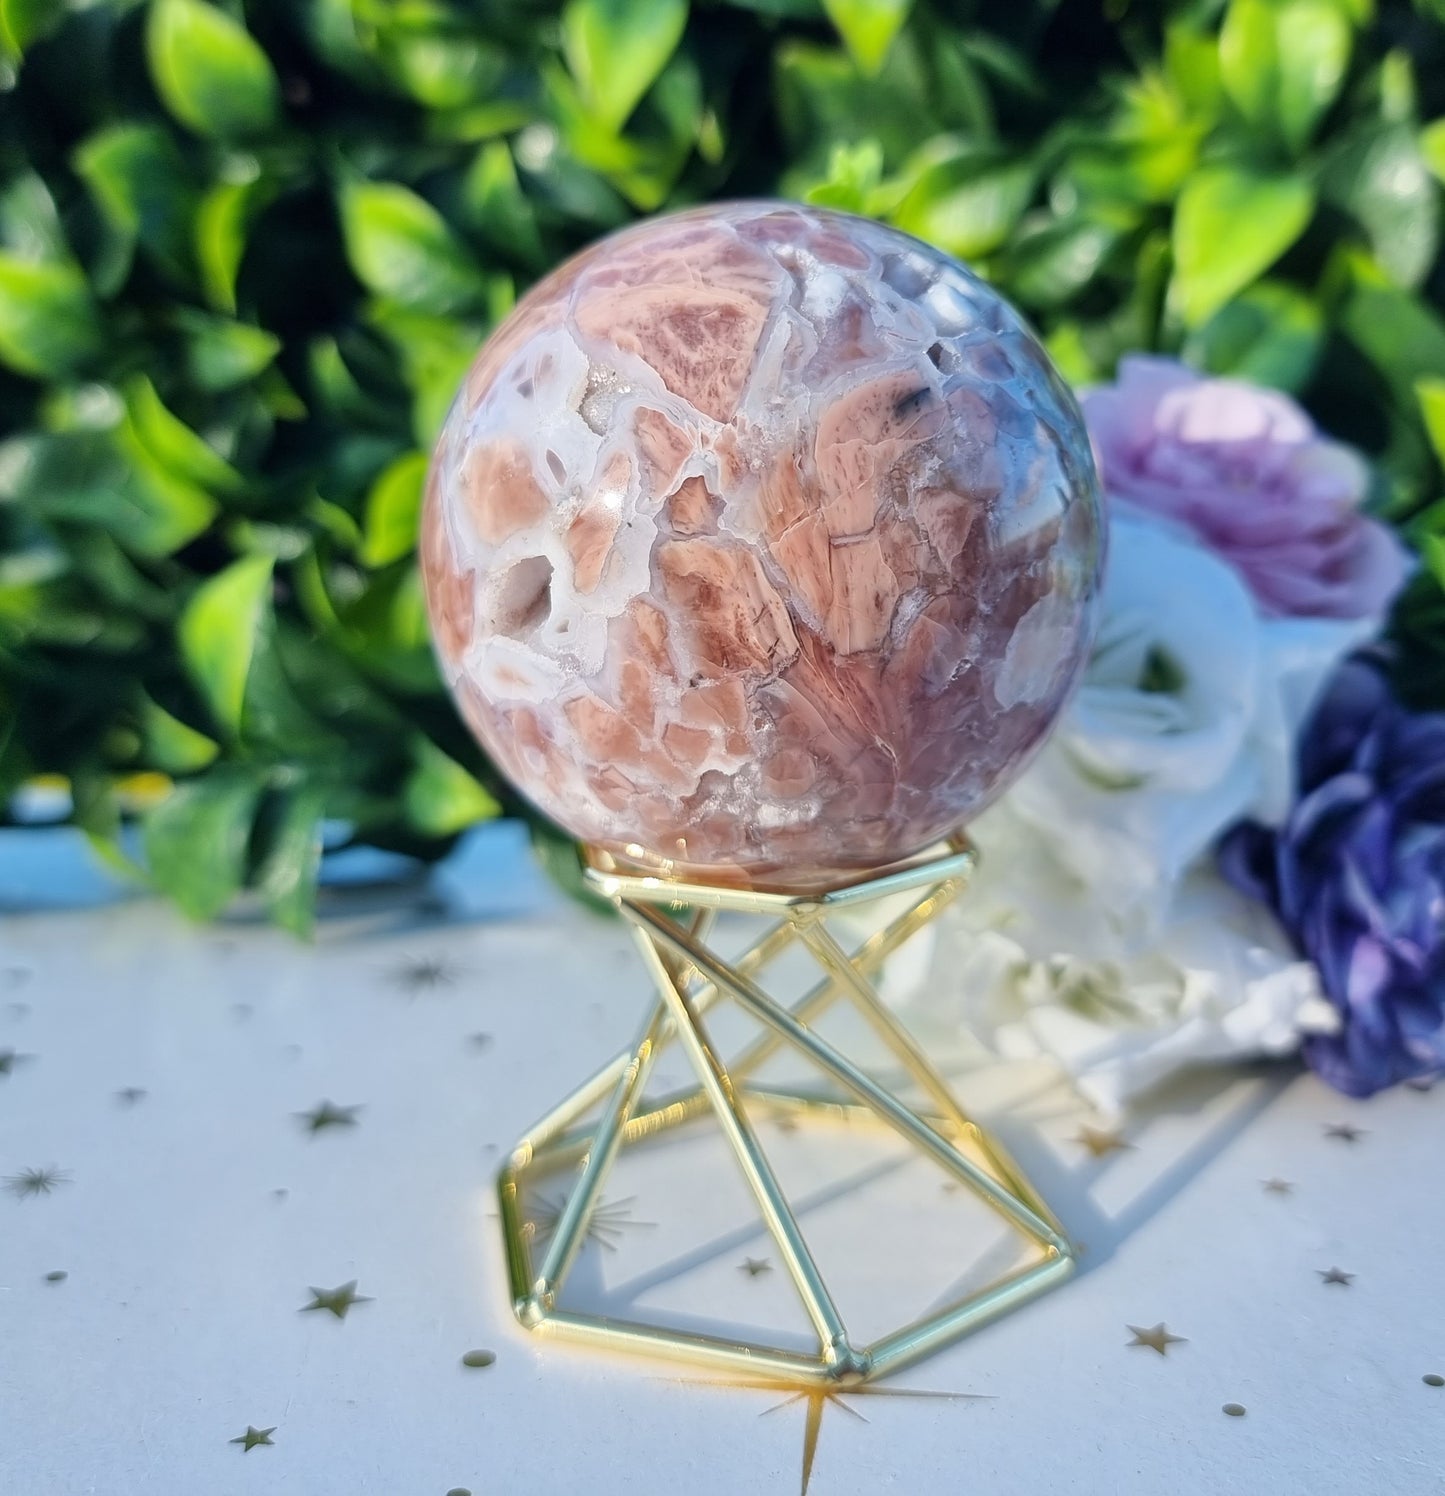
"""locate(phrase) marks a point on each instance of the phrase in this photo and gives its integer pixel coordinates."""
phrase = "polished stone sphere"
(761, 545)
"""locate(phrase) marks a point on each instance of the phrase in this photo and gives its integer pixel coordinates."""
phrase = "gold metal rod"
(649, 888)
(571, 1230)
(843, 1069)
(869, 956)
(734, 1122)
(562, 1116)
(916, 1341)
(682, 1106)
(833, 958)
(701, 1350)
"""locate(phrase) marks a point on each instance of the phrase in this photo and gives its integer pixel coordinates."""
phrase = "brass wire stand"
(691, 978)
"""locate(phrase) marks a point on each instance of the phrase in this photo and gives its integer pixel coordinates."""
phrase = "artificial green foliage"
(248, 247)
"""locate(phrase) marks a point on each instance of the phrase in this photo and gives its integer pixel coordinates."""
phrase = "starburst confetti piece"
(1101, 1141)
(326, 1114)
(1335, 1275)
(10, 1061)
(254, 1438)
(1344, 1132)
(1157, 1338)
(755, 1266)
(1277, 1186)
(427, 974)
(30, 1183)
(337, 1301)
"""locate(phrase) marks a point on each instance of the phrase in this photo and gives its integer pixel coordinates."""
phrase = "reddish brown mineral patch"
(502, 493)
(736, 619)
(693, 509)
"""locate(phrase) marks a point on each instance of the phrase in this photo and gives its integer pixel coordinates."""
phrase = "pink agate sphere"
(761, 545)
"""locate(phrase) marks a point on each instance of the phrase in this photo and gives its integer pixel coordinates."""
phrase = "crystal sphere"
(761, 545)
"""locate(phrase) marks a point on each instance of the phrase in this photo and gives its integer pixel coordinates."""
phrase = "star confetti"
(327, 1114)
(130, 1096)
(818, 1397)
(337, 1301)
(754, 1266)
(426, 974)
(254, 1438)
(610, 1220)
(1335, 1275)
(9, 1059)
(1101, 1141)
(1344, 1132)
(1278, 1186)
(1156, 1339)
(31, 1182)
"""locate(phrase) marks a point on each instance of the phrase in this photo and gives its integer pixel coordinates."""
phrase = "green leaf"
(1379, 177)
(220, 354)
(196, 840)
(617, 48)
(23, 22)
(223, 220)
(170, 745)
(393, 511)
(441, 798)
(1231, 225)
(104, 481)
(1271, 335)
(1402, 335)
(1052, 265)
(501, 212)
(139, 182)
(1283, 62)
(286, 878)
(1432, 147)
(209, 71)
(968, 201)
(218, 632)
(49, 323)
(400, 247)
(171, 445)
(1431, 393)
(868, 28)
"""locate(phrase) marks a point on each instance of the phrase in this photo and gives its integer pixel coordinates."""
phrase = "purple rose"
(1357, 876)
(1244, 470)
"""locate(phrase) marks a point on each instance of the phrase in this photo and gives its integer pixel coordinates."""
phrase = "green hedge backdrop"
(246, 251)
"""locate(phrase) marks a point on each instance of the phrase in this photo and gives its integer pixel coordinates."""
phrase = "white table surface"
(192, 1222)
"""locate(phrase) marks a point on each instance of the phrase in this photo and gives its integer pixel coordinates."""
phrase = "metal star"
(426, 974)
(130, 1095)
(1335, 1275)
(1345, 1132)
(818, 1397)
(335, 1301)
(30, 1182)
(9, 1059)
(1101, 1141)
(1278, 1186)
(254, 1438)
(481, 1041)
(1156, 1339)
(326, 1114)
(754, 1266)
(607, 1227)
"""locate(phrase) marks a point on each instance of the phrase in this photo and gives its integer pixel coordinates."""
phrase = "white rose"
(1185, 722)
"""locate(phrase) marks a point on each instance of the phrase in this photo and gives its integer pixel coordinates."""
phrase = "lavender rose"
(1244, 470)
(1357, 876)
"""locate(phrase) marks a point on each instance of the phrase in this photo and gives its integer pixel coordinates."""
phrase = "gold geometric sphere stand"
(671, 922)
